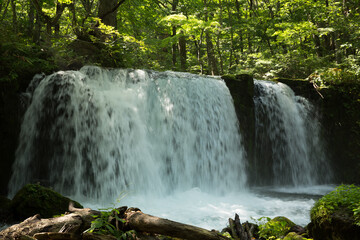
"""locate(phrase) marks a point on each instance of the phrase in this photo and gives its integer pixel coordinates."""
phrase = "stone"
(293, 236)
(35, 199)
(241, 88)
(5, 210)
(341, 226)
(277, 227)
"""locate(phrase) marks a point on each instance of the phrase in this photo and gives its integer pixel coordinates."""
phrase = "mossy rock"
(336, 215)
(35, 199)
(287, 222)
(293, 236)
(276, 227)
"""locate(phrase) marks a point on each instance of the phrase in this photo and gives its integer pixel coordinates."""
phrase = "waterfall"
(289, 148)
(98, 132)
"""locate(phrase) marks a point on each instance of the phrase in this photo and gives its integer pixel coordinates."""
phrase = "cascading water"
(289, 150)
(97, 132)
(169, 140)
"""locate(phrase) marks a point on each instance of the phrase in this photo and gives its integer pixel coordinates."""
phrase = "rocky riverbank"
(37, 212)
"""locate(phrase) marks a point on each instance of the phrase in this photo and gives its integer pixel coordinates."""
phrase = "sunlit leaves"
(291, 33)
(173, 20)
(65, 1)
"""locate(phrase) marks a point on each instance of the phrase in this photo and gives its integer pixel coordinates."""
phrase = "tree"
(108, 11)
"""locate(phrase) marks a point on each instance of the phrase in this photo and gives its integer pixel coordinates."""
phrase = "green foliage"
(103, 225)
(334, 76)
(294, 236)
(345, 197)
(110, 223)
(273, 228)
(267, 39)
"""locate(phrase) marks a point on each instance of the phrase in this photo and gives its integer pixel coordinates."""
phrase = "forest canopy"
(264, 38)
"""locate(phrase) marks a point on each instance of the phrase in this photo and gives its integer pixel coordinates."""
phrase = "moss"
(337, 214)
(35, 199)
(345, 198)
(293, 236)
(276, 227)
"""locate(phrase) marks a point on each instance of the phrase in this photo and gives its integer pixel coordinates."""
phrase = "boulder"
(241, 88)
(334, 216)
(277, 227)
(35, 199)
(339, 227)
(5, 211)
(293, 236)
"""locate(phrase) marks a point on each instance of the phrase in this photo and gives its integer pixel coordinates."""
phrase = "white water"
(101, 132)
(211, 211)
(168, 140)
(289, 147)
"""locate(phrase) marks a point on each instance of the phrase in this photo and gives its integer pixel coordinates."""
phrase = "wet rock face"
(10, 120)
(241, 88)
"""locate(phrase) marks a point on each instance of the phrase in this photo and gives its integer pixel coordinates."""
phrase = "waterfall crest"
(289, 148)
(97, 132)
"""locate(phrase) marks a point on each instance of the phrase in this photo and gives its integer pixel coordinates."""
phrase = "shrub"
(343, 197)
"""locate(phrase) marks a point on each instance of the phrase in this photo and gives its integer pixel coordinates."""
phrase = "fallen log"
(75, 222)
(71, 226)
(141, 222)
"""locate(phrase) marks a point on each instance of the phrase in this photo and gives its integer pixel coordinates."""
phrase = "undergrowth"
(343, 197)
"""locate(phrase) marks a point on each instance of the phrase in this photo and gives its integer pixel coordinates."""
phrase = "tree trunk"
(31, 18)
(5, 11)
(174, 50)
(174, 47)
(212, 65)
(198, 45)
(182, 51)
(37, 29)
(210, 54)
(146, 223)
(108, 11)
(14, 17)
(219, 53)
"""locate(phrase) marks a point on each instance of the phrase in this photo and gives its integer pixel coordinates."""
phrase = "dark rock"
(10, 121)
(5, 210)
(340, 226)
(301, 87)
(298, 229)
(35, 199)
(241, 88)
(341, 121)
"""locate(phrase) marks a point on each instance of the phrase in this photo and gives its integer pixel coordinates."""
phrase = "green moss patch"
(35, 199)
(345, 198)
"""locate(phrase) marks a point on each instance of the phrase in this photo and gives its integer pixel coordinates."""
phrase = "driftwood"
(74, 223)
(240, 231)
(142, 222)
(71, 226)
